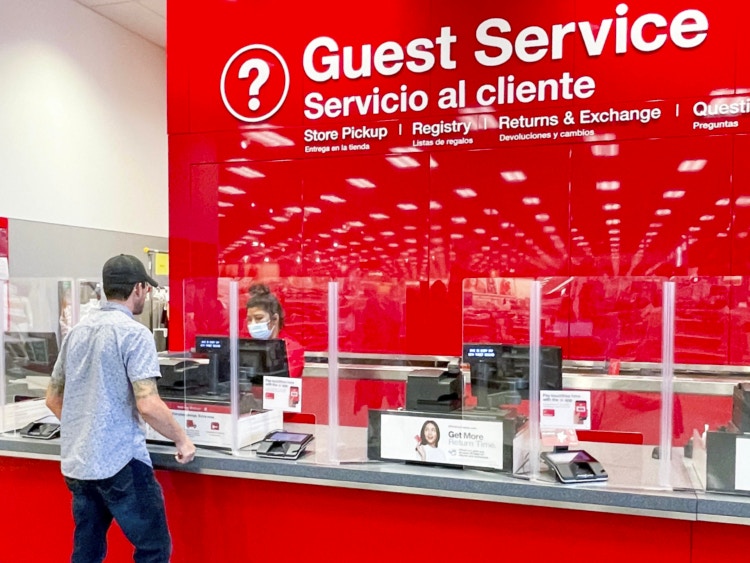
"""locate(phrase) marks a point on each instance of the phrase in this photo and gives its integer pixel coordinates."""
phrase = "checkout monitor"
(257, 358)
(500, 372)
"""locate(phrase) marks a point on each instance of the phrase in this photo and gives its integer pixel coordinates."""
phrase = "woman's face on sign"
(430, 434)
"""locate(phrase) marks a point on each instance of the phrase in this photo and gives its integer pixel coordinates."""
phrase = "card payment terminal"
(284, 445)
(574, 466)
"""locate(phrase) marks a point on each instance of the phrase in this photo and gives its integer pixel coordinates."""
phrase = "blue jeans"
(134, 499)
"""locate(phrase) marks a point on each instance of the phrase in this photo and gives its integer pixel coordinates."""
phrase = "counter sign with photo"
(444, 441)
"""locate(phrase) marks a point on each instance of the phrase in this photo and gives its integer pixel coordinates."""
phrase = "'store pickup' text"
(346, 133)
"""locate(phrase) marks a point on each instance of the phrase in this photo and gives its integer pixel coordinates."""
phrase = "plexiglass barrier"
(386, 401)
(712, 387)
(468, 409)
(239, 375)
(196, 381)
(579, 364)
(654, 382)
(616, 403)
(498, 427)
(277, 321)
(185, 374)
(87, 296)
(34, 317)
(368, 382)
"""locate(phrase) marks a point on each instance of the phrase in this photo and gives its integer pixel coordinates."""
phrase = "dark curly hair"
(260, 296)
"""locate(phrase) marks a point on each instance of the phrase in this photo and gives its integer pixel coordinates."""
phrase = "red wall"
(403, 245)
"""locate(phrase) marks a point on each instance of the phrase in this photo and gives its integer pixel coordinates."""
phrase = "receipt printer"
(435, 392)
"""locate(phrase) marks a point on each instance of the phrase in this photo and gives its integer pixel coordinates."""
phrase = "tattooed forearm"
(56, 387)
(54, 400)
(144, 388)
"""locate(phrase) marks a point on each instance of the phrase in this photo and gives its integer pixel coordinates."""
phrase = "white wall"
(82, 120)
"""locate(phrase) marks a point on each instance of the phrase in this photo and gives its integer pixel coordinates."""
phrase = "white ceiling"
(147, 18)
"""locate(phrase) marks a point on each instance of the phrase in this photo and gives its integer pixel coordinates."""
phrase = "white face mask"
(259, 331)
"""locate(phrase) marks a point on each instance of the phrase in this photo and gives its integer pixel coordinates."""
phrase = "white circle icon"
(248, 112)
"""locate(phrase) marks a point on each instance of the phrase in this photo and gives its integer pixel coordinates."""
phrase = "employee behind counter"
(265, 320)
(260, 355)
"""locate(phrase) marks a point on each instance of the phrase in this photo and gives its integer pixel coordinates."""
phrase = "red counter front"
(218, 519)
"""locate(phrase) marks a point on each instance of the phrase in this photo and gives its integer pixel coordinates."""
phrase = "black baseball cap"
(124, 270)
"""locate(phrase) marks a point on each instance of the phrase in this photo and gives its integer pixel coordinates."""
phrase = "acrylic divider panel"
(712, 381)
(614, 376)
(496, 369)
(280, 320)
(195, 380)
(34, 313)
(372, 310)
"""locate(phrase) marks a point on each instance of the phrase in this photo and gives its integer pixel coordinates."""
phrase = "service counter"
(221, 495)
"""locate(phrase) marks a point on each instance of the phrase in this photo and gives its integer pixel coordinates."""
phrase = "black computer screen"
(256, 358)
(500, 372)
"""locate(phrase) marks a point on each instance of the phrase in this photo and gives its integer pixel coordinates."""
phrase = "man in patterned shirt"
(102, 389)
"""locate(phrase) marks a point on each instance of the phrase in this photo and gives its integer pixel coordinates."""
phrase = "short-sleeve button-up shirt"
(101, 429)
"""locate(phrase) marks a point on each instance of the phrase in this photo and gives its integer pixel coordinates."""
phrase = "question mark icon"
(264, 72)
(233, 81)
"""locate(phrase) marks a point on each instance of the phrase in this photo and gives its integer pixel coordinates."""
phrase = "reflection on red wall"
(602, 212)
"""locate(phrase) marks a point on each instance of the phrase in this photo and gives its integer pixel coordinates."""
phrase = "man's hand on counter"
(185, 451)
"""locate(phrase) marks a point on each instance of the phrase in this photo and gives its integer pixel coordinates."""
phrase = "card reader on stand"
(284, 445)
(41, 430)
(574, 466)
